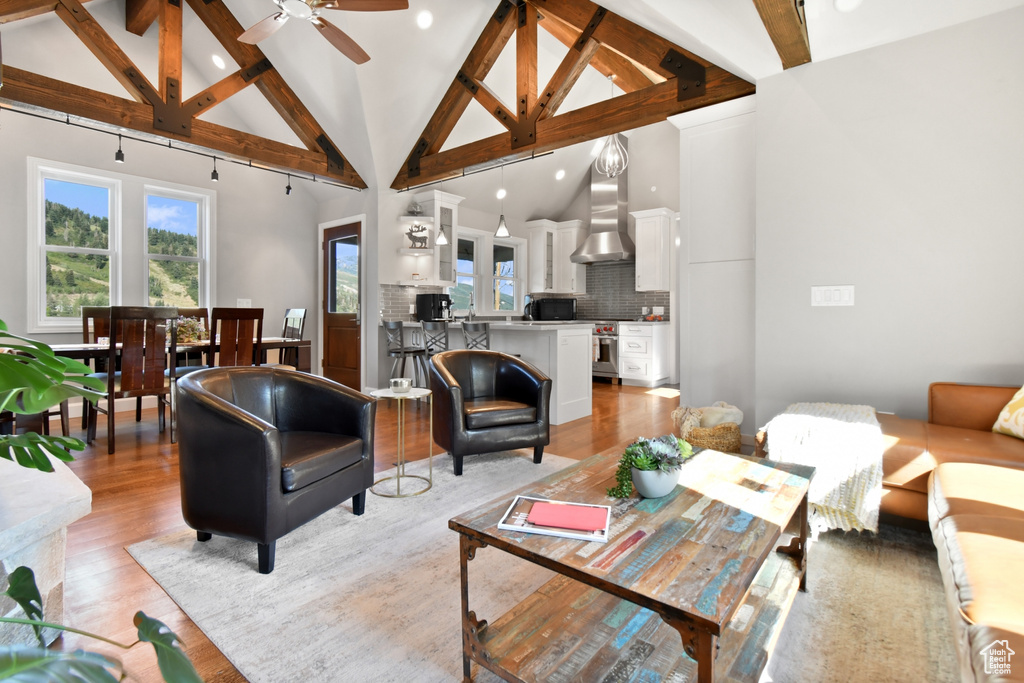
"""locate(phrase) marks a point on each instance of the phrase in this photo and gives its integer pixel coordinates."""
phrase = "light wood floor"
(136, 497)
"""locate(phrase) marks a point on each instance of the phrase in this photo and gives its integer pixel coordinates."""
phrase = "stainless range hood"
(608, 239)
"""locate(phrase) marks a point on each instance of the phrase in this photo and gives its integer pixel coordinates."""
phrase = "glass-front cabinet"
(435, 260)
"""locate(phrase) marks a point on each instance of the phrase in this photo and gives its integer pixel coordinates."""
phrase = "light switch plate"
(658, 310)
(243, 303)
(832, 295)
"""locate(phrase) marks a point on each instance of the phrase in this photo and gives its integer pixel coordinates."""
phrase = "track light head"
(288, 187)
(119, 155)
(215, 176)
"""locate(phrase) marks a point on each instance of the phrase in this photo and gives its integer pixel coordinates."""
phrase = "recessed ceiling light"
(501, 193)
(218, 62)
(846, 5)
(560, 174)
(424, 19)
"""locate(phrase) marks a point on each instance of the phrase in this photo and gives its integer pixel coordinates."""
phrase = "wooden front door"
(342, 298)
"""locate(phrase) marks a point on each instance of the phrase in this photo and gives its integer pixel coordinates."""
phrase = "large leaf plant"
(34, 379)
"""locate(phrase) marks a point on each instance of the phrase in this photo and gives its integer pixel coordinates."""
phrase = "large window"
(81, 253)
(175, 224)
(77, 237)
(465, 288)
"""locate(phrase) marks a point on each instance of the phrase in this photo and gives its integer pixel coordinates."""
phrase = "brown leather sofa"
(485, 401)
(263, 450)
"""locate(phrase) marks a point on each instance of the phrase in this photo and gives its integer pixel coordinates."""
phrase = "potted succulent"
(652, 465)
(34, 379)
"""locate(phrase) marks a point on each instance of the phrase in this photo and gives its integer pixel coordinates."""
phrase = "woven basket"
(724, 437)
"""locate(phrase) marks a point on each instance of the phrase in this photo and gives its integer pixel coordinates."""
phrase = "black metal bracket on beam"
(256, 69)
(591, 26)
(691, 77)
(168, 116)
(174, 3)
(335, 162)
(413, 165)
(503, 10)
(522, 13)
(466, 81)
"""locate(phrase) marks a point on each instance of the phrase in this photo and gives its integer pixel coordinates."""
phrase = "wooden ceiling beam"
(219, 20)
(504, 115)
(565, 77)
(140, 15)
(631, 110)
(217, 93)
(99, 42)
(170, 52)
(607, 62)
(526, 60)
(16, 10)
(787, 27)
(36, 91)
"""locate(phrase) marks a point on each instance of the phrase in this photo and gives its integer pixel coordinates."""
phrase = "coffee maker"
(433, 307)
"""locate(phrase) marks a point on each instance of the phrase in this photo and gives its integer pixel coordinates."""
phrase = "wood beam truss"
(787, 27)
(658, 79)
(158, 110)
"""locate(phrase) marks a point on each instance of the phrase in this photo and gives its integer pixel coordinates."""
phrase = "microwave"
(554, 309)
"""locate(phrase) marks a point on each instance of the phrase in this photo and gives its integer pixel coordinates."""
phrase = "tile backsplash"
(611, 293)
(395, 300)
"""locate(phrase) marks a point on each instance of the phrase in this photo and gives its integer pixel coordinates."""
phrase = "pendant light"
(215, 176)
(119, 155)
(502, 230)
(442, 239)
(613, 159)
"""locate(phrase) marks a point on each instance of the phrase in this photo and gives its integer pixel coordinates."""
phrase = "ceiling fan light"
(502, 230)
(613, 159)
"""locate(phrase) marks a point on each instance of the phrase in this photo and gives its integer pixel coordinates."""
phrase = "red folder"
(579, 517)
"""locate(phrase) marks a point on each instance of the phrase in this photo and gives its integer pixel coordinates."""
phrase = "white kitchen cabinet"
(644, 353)
(435, 265)
(570, 278)
(653, 249)
(541, 271)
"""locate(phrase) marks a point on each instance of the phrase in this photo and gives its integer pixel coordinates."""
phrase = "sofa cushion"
(1011, 418)
(952, 444)
(969, 488)
(485, 413)
(906, 461)
(308, 457)
(980, 558)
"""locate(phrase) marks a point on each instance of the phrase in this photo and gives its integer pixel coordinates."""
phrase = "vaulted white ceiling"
(375, 112)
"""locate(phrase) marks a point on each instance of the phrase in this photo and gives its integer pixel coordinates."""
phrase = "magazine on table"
(582, 521)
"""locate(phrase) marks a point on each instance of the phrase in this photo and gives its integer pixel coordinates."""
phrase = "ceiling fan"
(310, 10)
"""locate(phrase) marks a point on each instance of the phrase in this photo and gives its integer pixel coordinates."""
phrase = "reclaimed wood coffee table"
(694, 586)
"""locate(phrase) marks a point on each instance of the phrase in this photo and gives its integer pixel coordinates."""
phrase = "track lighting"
(215, 176)
(119, 155)
(288, 187)
(502, 230)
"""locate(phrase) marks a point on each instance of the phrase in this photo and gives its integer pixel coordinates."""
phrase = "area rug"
(376, 598)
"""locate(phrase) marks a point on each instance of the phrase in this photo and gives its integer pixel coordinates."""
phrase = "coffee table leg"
(471, 626)
(797, 548)
(699, 645)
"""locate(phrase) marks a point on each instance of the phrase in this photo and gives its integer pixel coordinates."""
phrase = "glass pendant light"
(613, 159)
(502, 230)
(442, 239)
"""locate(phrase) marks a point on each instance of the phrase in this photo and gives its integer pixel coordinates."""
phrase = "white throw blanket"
(844, 443)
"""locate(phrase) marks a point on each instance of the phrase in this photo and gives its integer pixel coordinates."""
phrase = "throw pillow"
(1011, 419)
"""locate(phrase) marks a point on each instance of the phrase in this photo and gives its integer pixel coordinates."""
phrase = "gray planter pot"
(655, 483)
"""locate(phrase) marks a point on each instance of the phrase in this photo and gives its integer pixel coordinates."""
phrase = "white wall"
(266, 241)
(899, 170)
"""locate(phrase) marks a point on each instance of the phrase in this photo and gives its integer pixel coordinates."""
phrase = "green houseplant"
(663, 457)
(34, 379)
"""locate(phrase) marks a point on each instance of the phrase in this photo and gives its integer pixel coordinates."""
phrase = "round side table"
(399, 476)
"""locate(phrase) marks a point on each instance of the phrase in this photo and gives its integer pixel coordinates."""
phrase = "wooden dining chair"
(192, 360)
(236, 337)
(146, 335)
(294, 327)
(96, 326)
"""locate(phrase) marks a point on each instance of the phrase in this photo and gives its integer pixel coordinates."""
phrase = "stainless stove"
(606, 349)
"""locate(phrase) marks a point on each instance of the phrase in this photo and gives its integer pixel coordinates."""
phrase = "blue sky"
(174, 215)
(93, 200)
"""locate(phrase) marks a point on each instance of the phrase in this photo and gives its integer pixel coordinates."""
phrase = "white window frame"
(39, 171)
(479, 239)
(518, 245)
(205, 201)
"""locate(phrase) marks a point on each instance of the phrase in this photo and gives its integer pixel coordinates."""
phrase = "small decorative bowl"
(401, 385)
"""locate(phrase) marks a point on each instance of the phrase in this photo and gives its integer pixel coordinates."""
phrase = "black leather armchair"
(485, 401)
(262, 451)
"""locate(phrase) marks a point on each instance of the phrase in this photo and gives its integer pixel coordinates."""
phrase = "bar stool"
(399, 351)
(435, 337)
(477, 335)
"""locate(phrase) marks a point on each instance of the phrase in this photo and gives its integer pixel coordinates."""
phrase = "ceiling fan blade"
(336, 37)
(363, 5)
(263, 29)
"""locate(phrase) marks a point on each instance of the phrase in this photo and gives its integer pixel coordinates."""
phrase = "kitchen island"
(561, 350)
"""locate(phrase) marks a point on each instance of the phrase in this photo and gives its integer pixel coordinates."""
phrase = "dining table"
(84, 351)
